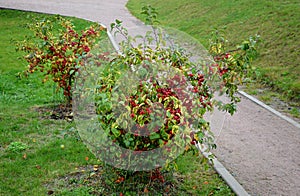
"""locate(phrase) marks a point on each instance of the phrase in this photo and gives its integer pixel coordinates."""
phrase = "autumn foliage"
(59, 54)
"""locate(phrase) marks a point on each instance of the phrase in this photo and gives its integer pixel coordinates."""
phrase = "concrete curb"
(235, 186)
(270, 109)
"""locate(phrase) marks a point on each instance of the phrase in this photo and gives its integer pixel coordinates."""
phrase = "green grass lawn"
(36, 151)
(277, 22)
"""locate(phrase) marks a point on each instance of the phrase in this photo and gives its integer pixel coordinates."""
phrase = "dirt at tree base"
(55, 112)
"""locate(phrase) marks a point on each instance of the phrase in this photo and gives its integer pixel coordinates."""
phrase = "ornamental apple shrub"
(58, 54)
(152, 96)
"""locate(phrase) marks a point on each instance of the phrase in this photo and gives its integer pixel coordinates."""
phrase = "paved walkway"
(261, 150)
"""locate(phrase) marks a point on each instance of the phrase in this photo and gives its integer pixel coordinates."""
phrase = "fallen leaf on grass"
(96, 167)
(146, 190)
(187, 147)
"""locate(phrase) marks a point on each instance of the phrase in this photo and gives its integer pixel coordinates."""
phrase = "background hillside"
(277, 22)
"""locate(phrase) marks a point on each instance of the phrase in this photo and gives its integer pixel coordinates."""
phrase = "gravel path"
(261, 150)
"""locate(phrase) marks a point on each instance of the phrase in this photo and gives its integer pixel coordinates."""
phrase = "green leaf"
(161, 142)
(168, 114)
(154, 136)
(72, 71)
(118, 21)
(116, 132)
(164, 135)
(127, 143)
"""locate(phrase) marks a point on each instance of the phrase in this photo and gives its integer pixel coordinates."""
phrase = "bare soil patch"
(55, 112)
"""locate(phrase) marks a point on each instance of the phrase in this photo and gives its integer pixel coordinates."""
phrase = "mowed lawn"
(36, 151)
(23, 172)
(277, 22)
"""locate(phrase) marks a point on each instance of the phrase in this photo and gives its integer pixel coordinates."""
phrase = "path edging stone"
(235, 186)
(263, 105)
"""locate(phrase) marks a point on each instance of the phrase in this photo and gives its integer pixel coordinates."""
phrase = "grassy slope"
(277, 22)
(45, 159)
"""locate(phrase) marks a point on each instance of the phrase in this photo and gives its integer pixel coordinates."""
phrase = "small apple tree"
(58, 54)
(141, 110)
